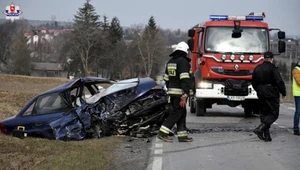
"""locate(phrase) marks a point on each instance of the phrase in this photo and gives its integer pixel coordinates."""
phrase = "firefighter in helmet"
(179, 85)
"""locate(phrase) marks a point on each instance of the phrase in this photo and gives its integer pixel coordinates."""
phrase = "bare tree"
(20, 60)
(152, 47)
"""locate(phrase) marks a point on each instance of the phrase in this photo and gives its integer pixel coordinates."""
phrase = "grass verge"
(43, 154)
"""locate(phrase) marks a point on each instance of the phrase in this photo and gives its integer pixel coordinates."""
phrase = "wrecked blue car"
(127, 107)
(34, 118)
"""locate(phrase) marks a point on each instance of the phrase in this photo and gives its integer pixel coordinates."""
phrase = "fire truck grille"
(233, 72)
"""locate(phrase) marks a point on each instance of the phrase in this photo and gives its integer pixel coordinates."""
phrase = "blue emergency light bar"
(236, 17)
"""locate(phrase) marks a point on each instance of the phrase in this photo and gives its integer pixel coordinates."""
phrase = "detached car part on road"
(83, 108)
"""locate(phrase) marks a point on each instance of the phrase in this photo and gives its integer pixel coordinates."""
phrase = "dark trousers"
(177, 115)
(269, 110)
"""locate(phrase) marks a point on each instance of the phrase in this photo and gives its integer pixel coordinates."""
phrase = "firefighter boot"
(185, 139)
(296, 132)
(268, 135)
(164, 137)
(259, 131)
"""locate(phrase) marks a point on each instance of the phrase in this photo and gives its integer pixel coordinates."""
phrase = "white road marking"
(275, 123)
(282, 127)
(157, 163)
(158, 151)
(158, 145)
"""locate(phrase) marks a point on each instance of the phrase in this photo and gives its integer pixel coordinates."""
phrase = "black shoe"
(164, 137)
(185, 139)
(267, 135)
(259, 131)
(297, 132)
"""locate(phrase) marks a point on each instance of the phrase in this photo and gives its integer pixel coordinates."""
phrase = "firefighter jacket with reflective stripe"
(296, 81)
(177, 75)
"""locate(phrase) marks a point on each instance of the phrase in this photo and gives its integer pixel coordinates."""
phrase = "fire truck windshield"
(253, 40)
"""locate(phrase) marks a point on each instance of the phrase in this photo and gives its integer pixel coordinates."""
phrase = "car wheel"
(248, 111)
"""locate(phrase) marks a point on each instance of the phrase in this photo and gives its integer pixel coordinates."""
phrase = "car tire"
(248, 111)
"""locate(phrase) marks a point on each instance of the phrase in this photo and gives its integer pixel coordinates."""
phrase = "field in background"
(32, 153)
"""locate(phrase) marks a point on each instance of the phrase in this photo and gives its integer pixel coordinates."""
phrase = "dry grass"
(32, 153)
(39, 154)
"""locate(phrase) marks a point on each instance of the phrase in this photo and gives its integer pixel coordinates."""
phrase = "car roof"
(76, 82)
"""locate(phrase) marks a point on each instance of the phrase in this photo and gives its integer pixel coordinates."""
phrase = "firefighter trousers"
(177, 115)
(269, 110)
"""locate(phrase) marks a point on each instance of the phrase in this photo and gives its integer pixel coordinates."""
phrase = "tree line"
(94, 46)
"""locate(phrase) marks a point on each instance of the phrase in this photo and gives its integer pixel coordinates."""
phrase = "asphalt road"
(223, 140)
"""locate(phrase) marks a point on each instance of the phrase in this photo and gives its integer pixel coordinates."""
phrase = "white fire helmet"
(182, 46)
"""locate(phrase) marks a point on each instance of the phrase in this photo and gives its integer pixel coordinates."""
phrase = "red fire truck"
(224, 51)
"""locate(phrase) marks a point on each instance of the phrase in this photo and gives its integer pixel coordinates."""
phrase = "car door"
(43, 110)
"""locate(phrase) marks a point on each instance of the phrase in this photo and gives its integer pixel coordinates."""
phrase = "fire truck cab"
(224, 52)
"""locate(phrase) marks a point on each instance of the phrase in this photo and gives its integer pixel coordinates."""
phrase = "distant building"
(45, 61)
(41, 34)
(48, 70)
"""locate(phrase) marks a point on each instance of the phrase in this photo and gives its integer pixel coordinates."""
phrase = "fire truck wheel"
(200, 108)
(248, 111)
(192, 105)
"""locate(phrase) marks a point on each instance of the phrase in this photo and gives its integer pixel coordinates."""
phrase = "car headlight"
(242, 57)
(251, 57)
(232, 57)
(205, 85)
(223, 57)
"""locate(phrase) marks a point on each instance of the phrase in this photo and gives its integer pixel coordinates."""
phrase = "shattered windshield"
(253, 40)
(121, 85)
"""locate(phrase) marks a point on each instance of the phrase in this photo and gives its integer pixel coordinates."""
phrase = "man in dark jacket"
(268, 83)
(179, 85)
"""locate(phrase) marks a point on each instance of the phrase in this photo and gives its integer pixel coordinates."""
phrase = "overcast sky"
(173, 14)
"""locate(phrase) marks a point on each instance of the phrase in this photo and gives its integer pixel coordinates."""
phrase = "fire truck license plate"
(238, 98)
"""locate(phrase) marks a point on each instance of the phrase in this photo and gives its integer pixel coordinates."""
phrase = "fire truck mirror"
(191, 33)
(237, 33)
(281, 46)
(281, 35)
(190, 42)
